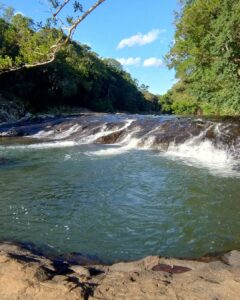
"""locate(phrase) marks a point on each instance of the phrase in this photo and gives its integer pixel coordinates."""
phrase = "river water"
(119, 201)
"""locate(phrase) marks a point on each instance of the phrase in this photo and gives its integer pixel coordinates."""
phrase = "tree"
(206, 57)
(56, 33)
(70, 24)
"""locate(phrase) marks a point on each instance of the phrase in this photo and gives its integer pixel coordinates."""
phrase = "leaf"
(77, 6)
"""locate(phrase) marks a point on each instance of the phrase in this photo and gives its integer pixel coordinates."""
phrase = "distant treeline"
(77, 77)
(206, 57)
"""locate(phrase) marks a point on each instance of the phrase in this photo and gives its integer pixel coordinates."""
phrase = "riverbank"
(26, 275)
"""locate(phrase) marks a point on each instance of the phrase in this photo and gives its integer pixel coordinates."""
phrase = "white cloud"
(139, 39)
(137, 61)
(130, 61)
(19, 13)
(153, 62)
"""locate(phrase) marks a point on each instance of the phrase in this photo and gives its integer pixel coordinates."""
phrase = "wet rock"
(158, 133)
(110, 138)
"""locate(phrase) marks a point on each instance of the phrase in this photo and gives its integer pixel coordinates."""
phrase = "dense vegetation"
(24, 42)
(76, 77)
(206, 56)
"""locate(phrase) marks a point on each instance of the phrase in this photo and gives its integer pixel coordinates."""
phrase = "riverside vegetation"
(205, 55)
(77, 77)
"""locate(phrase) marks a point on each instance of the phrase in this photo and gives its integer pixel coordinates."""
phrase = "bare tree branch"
(60, 8)
(79, 20)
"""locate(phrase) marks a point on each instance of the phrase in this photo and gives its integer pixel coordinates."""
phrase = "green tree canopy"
(206, 57)
(26, 44)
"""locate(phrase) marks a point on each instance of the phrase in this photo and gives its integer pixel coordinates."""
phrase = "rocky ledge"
(26, 275)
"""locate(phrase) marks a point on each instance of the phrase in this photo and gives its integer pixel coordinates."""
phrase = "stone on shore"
(26, 276)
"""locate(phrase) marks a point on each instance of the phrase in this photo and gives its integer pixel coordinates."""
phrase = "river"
(121, 187)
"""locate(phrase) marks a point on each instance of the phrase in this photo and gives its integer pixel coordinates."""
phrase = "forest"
(205, 55)
(77, 77)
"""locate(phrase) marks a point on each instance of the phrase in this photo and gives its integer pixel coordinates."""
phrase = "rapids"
(121, 186)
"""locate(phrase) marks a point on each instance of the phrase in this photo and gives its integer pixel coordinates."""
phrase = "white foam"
(128, 143)
(196, 151)
(103, 131)
(90, 138)
(42, 134)
(56, 135)
(203, 154)
(47, 145)
(125, 145)
(62, 135)
(67, 157)
(114, 150)
(86, 138)
(148, 143)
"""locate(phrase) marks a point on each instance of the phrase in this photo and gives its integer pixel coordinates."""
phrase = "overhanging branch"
(37, 64)
(80, 19)
(60, 8)
(55, 48)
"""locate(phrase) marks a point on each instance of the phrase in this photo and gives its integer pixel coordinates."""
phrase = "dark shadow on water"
(60, 261)
(5, 162)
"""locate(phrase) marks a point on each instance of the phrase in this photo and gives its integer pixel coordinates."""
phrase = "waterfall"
(204, 143)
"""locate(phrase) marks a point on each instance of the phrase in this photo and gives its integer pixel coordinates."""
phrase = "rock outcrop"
(156, 133)
(25, 275)
(11, 111)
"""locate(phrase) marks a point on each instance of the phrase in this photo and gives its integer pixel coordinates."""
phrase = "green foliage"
(166, 102)
(21, 43)
(77, 77)
(179, 101)
(152, 100)
(206, 56)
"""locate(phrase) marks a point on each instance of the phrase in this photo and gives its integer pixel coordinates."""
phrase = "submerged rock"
(4, 161)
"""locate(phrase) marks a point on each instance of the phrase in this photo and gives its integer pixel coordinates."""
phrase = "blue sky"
(136, 32)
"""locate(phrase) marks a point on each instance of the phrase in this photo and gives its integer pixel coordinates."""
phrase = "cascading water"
(121, 186)
(204, 143)
(203, 152)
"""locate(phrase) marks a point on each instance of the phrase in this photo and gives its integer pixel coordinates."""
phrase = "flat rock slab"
(26, 276)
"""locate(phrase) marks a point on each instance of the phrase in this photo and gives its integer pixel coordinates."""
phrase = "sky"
(138, 33)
